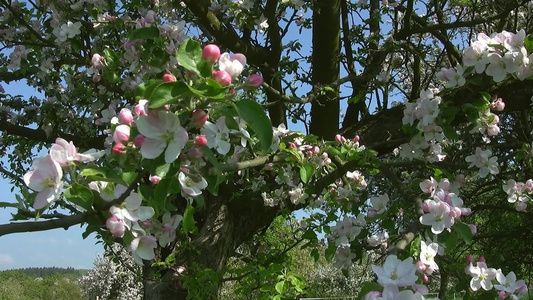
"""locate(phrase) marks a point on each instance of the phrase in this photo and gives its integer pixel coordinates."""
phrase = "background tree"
(371, 60)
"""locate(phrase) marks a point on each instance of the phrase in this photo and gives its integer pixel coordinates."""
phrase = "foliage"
(193, 163)
(15, 285)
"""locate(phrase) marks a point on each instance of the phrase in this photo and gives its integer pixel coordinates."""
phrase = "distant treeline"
(49, 271)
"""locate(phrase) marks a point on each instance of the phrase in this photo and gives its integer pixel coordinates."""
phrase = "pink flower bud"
(339, 138)
(141, 109)
(292, 145)
(166, 228)
(121, 134)
(195, 153)
(455, 212)
(96, 77)
(191, 74)
(356, 138)
(420, 267)
(529, 185)
(169, 77)
(481, 259)
(372, 213)
(223, 78)
(327, 161)
(139, 140)
(119, 148)
(374, 295)
(498, 105)
(316, 149)
(199, 117)
(502, 295)
(147, 223)
(425, 206)
(255, 80)
(211, 53)
(125, 116)
(154, 179)
(469, 258)
(473, 228)
(200, 141)
(425, 279)
(115, 226)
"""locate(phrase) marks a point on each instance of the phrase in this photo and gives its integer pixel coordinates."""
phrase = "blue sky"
(59, 247)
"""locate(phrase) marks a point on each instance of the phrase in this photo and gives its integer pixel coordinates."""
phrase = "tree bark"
(325, 108)
(224, 224)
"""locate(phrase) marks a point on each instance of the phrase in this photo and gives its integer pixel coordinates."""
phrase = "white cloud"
(6, 259)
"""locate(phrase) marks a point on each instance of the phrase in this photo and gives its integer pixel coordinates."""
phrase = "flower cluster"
(427, 144)
(519, 193)
(483, 160)
(497, 56)
(487, 278)
(46, 176)
(443, 207)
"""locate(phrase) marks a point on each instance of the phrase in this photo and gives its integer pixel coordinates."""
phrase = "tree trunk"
(325, 108)
(224, 224)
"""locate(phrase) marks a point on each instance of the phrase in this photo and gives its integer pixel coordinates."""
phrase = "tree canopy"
(166, 129)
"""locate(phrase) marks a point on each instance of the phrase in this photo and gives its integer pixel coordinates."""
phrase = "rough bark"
(224, 224)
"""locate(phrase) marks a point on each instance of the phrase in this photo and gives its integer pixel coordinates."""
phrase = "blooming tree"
(166, 124)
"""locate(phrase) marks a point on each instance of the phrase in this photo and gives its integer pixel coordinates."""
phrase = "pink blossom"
(119, 148)
(138, 140)
(45, 178)
(169, 77)
(121, 134)
(199, 117)
(200, 141)
(211, 53)
(115, 225)
(125, 116)
(223, 78)
(255, 80)
(154, 179)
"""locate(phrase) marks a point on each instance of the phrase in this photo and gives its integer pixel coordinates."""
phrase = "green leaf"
(451, 241)
(7, 204)
(306, 172)
(128, 177)
(209, 90)
(282, 287)
(80, 195)
(528, 43)
(190, 57)
(144, 33)
(450, 132)
(188, 219)
(315, 254)
(483, 102)
(463, 231)
(256, 117)
(167, 93)
(162, 170)
(93, 171)
(309, 235)
(330, 251)
(368, 287)
(161, 193)
(144, 90)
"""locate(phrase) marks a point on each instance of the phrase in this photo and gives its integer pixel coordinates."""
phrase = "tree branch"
(64, 223)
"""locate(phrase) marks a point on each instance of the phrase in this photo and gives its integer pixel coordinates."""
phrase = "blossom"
(482, 276)
(438, 216)
(45, 178)
(162, 131)
(116, 225)
(170, 224)
(143, 248)
(507, 283)
(67, 31)
(233, 64)
(217, 135)
(344, 257)
(428, 253)
(380, 203)
(191, 187)
(484, 161)
(396, 272)
(131, 208)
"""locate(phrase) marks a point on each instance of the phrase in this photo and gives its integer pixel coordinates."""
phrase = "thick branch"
(64, 223)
